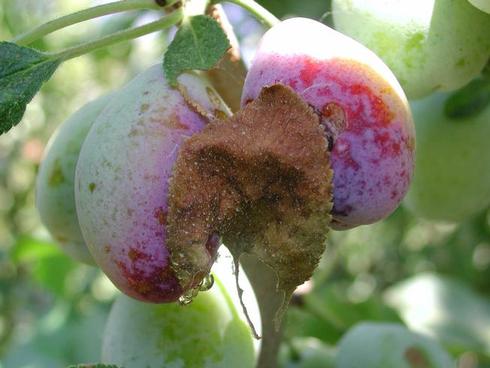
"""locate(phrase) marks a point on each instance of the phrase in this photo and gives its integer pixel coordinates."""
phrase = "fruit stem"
(264, 282)
(164, 22)
(257, 10)
(84, 15)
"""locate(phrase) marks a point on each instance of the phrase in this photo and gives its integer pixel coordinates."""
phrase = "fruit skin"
(209, 332)
(122, 182)
(452, 176)
(431, 45)
(374, 344)
(362, 106)
(483, 5)
(55, 196)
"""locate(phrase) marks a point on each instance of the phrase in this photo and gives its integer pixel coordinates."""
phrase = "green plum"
(483, 5)
(55, 196)
(307, 352)
(431, 45)
(452, 175)
(211, 332)
(375, 345)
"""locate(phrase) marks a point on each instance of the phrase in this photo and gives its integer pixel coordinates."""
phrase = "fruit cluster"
(148, 181)
(153, 223)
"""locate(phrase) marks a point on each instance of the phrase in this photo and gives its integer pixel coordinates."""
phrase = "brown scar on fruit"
(416, 358)
(262, 180)
(334, 120)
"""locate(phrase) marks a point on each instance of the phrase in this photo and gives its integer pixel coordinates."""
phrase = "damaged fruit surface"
(122, 181)
(362, 107)
(253, 180)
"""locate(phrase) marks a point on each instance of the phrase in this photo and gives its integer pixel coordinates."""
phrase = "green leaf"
(29, 250)
(373, 345)
(49, 266)
(22, 72)
(469, 100)
(199, 44)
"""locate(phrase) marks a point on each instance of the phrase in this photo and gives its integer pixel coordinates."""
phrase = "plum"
(362, 108)
(483, 5)
(122, 182)
(210, 332)
(452, 177)
(55, 196)
(431, 45)
(375, 344)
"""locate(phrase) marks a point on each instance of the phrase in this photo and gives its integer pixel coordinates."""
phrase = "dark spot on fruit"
(107, 248)
(144, 108)
(171, 122)
(416, 358)
(248, 100)
(333, 118)
(161, 215)
(91, 187)
(461, 63)
(135, 254)
(61, 238)
(56, 178)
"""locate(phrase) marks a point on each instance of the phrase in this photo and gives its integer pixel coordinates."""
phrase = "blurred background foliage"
(433, 278)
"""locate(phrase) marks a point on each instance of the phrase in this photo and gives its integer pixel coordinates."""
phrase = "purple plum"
(122, 182)
(363, 110)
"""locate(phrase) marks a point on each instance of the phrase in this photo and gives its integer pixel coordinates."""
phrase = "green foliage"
(469, 100)
(22, 73)
(199, 44)
(50, 267)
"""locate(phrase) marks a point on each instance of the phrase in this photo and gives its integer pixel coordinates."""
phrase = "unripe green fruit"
(55, 196)
(431, 45)
(483, 5)
(376, 345)
(208, 333)
(452, 174)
